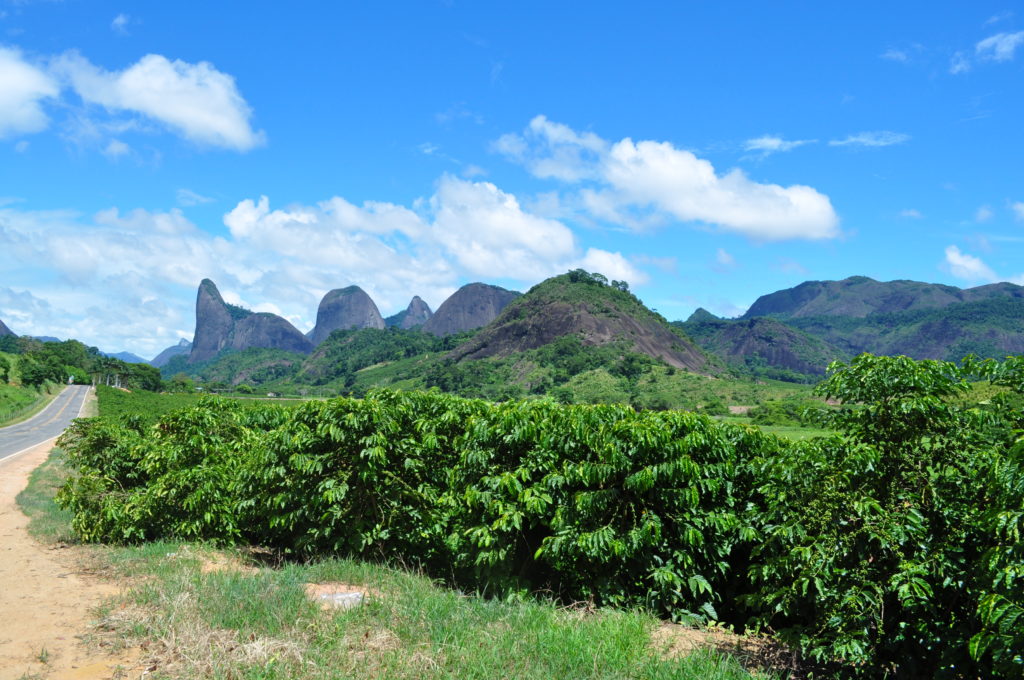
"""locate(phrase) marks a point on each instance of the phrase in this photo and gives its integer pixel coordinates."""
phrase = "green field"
(849, 547)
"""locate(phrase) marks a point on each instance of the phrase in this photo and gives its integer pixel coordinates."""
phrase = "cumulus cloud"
(911, 213)
(967, 267)
(24, 87)
(875, 138)
(91, 270)
(195, 100)
(552, 150)
(637, 184)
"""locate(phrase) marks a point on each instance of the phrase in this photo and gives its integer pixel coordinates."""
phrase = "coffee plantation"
(890, 550)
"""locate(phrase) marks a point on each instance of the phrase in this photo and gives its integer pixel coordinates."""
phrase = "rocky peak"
(472, 306)
(416, 314)
(344, 308)
(221, 326)
(701, 315)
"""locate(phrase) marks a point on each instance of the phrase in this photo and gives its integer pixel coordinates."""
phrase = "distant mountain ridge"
(4, 330)
(790, 334)
(920, 320)
(126, 357)
(160, 360)
(861, 296)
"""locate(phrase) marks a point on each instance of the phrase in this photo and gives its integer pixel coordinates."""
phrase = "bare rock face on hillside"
(595, 313)
(472, 306)
(775, 343)
(342, 309)
(415, 315)
(4, 330)
(220, 326)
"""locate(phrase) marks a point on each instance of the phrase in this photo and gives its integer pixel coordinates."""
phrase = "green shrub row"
(892, 550)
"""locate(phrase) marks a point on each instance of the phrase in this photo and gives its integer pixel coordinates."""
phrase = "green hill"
(920, 320)
(584, 306)
(762, 346)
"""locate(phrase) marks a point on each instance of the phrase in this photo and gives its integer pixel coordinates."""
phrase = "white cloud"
(92, 271)
(143, 222)
(724, 258)
(773, 143)
(968, 267)
(999, 47)
(612, 265)
(489, 234)
(554, 151)
(911, 213)
(996, 18)
(983, 214)
(120, 24)
(24, 87)
(876, 138)
(688, 188)
(116, 148)
(188, 198)
(21, 146)
(959, 63)
(639, 184)
(195, 100)
(1018, 210)
(893, 54)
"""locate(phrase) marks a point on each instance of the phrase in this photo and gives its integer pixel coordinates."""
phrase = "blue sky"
(708, 153)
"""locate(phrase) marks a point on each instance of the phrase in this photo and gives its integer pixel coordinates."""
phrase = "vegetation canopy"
(892, 548)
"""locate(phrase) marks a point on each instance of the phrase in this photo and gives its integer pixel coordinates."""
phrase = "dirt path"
(45, 600)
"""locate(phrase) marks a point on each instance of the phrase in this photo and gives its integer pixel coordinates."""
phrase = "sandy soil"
(45, 598)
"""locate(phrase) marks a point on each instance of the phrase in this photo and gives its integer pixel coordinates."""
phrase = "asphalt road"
(46, 424)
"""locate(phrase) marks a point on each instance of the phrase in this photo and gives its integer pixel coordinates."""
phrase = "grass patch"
(18, 404)
(197, 612)
(793, 432)
(256, 625)
(47, 522)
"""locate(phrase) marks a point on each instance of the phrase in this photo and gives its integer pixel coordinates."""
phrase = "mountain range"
(790, 334)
